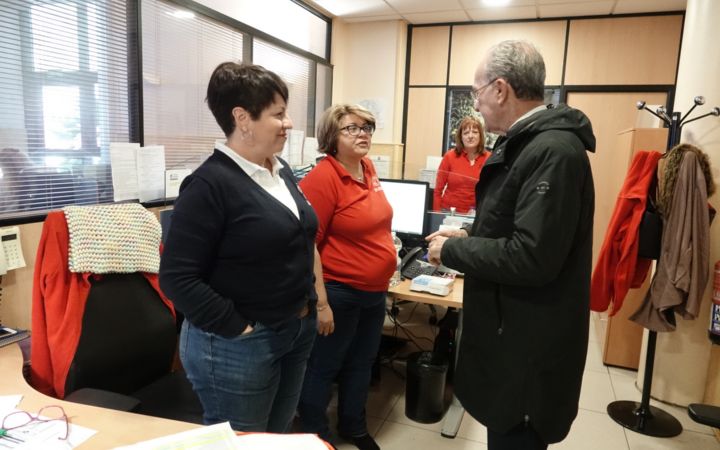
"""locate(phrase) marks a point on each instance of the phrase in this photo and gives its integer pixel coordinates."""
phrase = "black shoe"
(363, 442)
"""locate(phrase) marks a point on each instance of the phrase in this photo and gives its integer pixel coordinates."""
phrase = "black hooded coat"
(527, 266)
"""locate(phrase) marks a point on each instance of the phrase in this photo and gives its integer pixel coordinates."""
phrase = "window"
(180, 51)
(460, 104)
(64, 91)
(71, 83)
(296, 24)
(296, 73)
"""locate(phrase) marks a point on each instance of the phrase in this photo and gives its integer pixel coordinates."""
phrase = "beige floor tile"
(593, 430)
(623, 384)
(472, 429)
(396, 436)
(397, 415)
(596, 391)
(687, 440)
(384, 395)
(593, 360)
(593, 337)
(625, 387)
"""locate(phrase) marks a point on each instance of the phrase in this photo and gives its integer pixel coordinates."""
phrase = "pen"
(4, 435)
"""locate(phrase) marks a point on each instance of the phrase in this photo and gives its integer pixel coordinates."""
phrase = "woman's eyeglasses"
(19, 419)
(354, 130)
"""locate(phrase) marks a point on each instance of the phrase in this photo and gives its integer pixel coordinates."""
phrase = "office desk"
(453, 300)
(454, 414)
(114, 428)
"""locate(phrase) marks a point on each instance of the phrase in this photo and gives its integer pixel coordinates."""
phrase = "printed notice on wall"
(124, 170)
(173, 180)
(382, 165)
(138, 173)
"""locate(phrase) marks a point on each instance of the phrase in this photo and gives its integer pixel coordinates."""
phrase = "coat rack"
(641, 417)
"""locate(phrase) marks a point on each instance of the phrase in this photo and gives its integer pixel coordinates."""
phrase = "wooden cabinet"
(623, 338)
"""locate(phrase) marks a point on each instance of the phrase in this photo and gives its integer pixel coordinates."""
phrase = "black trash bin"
(425, 387)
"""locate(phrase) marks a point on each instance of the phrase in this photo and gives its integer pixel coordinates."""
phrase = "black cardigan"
(234, 254)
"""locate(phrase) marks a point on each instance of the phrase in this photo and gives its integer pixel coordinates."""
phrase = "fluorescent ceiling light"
(496, 3)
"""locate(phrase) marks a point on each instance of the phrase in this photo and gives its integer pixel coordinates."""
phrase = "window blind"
(180, 51)
(296, 72)
(64, 95)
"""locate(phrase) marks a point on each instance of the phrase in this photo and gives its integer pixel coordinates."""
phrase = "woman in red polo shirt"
(358, 259)
(459, 170)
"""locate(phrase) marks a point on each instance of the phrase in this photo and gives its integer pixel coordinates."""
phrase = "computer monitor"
(409, 201)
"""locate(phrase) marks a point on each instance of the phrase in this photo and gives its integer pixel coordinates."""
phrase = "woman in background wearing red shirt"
(358, 259)
(459, 170)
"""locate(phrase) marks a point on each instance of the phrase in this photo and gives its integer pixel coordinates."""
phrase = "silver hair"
(521, 64)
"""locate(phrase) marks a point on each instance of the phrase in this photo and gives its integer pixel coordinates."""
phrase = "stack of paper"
(222, 437)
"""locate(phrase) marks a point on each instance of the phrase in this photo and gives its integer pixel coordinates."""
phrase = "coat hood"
(557, 117)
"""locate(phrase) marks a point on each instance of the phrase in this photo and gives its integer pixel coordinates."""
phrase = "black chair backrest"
(128, 336)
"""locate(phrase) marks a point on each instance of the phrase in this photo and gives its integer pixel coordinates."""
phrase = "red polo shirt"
(354, 217)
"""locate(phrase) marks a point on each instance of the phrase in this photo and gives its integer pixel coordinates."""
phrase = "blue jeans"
(253, 380)
(347, 354)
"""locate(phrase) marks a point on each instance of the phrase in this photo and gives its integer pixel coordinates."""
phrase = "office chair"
(115, 346)
(127, 346)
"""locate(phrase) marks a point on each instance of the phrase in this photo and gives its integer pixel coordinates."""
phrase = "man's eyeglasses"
(19, 419)
(354, 130)
(475, 93)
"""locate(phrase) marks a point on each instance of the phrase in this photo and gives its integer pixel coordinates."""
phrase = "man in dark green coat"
(527, 258)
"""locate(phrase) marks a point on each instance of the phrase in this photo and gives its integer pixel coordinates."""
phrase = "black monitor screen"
(409, 203)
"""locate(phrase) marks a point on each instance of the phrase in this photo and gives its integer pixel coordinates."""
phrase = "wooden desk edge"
(454, 299)
(114, 428)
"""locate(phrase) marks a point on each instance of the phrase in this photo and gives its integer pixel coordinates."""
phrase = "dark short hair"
(469, 121)
(521, 65)
(328, 128)
(248, 86)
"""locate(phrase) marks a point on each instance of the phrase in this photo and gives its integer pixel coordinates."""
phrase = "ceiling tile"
(352, 19)
(641, 6)
(554, 2)
(576, 9)
(423, 6)
(517, 12)
(437, 17)
(478, 4)
(344, 8)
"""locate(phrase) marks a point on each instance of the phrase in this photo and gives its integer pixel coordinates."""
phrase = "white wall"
(369, 68)
(699, 70)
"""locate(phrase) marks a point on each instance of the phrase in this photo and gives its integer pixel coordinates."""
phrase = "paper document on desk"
(213, 437)
(264, 441)
(8, 403)
(222, 437)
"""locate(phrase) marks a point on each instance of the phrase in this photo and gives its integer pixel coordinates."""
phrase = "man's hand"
(459, 232)
(437, 239)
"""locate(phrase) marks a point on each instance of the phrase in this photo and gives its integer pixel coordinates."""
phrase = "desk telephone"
(414, 264)
(11, 256)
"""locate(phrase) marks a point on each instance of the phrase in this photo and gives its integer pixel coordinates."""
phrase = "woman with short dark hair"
(239, 260)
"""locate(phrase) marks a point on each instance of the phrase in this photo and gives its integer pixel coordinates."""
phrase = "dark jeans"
(253, 380)
(347, 354)
(522, 437)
